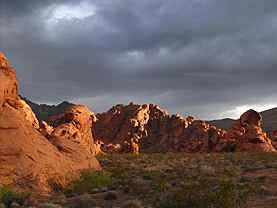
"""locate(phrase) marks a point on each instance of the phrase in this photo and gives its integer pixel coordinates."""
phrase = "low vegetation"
(88, 182)
(170, 180)
(195, 180)
(9, 195)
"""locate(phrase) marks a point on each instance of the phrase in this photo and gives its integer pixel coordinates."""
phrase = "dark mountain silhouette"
(44, 112)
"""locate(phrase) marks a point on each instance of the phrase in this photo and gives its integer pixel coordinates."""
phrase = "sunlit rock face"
(25, 153)
(148, 129)
(76, 128)
(3, 60)
(8, 82)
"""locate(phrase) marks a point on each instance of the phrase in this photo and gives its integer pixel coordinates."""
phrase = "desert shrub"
(126, 189)
(89, 180)
(265, 179)
(120, 172)
(8, 195)
(132, 204)
(206, 193)
(262, 190)
(130, 186)
(111, 196)
(86, 201)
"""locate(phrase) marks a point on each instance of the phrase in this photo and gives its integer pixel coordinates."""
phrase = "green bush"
(9, 195)
(206, 193)
(89, 180)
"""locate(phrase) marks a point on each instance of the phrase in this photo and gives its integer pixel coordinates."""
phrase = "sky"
(210, 59)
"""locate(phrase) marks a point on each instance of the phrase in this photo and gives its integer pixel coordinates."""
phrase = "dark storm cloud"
(205, 58)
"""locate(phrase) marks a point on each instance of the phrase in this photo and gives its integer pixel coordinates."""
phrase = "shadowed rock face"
(25, 154)
(251, 117)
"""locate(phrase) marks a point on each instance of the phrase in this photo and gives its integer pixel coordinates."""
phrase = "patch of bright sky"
(239, 110)
(136, 54)
(163, 51)
(70, 11)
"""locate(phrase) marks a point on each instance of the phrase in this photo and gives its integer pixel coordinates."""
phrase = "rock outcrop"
(268, 125)
(148, 129)
(76, 128)
(246, 135)
(26, 156)
(26, 110)
(8, 82)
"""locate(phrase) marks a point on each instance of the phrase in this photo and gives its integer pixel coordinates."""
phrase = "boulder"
(45, 129)
(251, 117)
(77, 128)
(246, 135)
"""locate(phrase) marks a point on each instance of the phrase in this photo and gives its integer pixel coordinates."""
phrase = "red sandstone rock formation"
(26, 110)
(55, 121)
(45, 129)
(246, 135)
(25, 154)
(77, 128)
(8, 82)
(149, 130)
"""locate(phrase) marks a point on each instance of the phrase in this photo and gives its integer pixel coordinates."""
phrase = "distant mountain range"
(269, 122)
(44, 112)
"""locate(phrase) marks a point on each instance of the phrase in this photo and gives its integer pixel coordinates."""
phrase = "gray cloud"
(210, 59)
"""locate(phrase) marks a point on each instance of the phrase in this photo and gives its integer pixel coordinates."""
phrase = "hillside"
(223, 124)
(269, 120)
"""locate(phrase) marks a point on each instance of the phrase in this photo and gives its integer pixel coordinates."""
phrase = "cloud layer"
(211, 59)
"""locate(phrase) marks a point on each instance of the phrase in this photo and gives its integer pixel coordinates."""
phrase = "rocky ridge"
(148, 129)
